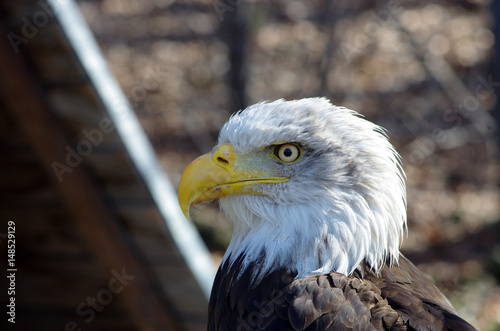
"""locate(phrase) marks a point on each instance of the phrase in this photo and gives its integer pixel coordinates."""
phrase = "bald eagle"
(317, 199)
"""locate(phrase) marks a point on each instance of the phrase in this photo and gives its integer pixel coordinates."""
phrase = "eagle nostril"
(221, 160)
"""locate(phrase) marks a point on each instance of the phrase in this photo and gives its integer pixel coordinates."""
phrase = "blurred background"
(424, 70)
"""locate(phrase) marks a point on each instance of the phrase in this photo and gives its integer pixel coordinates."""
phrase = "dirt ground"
(423, 70)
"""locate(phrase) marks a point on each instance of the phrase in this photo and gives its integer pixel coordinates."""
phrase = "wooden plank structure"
(100, 241)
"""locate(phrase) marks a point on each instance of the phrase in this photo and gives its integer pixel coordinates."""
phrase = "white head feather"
(345, 201)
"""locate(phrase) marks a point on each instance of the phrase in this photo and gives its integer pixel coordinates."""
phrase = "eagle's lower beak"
(222, 173)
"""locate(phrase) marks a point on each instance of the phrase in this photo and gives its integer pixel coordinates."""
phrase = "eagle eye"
(287, 153)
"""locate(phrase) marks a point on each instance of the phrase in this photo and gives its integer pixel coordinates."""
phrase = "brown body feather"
(399, 298)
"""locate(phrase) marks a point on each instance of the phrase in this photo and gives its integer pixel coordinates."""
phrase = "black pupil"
(287, 152)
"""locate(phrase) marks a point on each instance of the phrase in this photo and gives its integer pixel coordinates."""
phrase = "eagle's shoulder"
(421, 305)
(399, 298)
(331, 302)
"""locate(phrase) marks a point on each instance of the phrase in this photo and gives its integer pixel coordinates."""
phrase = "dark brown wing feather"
(400, 298)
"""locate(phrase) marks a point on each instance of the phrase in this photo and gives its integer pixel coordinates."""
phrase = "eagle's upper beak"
(223, 172)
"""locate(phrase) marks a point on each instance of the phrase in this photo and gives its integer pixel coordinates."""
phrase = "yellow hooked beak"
(222, 173)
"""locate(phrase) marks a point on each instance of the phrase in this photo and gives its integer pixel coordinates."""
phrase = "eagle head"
(308, 186)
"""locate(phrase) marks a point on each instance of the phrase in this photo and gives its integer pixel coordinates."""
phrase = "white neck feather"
(311, 239)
